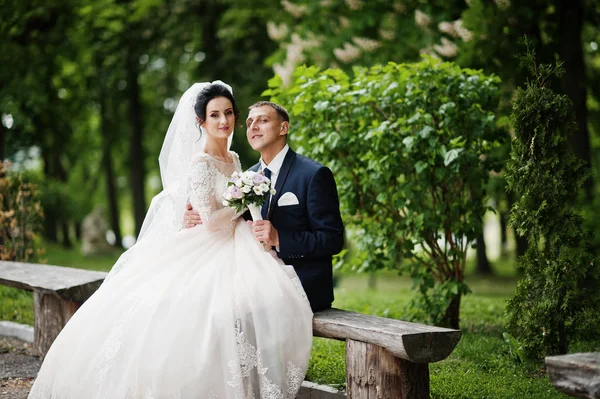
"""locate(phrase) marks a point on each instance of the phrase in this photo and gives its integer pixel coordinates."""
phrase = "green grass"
(16, 305)
(479, 367)
(57, 255)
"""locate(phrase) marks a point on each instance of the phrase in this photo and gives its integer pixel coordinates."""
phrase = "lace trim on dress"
(300, 289)
(294, 377)
(113, 342)
(249, 360)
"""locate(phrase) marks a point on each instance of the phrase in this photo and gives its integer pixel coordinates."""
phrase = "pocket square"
(287, 199)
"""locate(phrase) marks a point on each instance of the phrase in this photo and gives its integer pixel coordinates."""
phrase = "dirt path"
(18, 368)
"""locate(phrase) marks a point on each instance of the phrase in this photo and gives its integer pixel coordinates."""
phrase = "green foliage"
(20, 217)
(516, 349)
(361, 32)
(408, 145)
(559, 289)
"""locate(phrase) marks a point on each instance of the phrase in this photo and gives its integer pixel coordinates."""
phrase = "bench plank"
(68, 283)
(57, 293)
(409, 341)
(576, 374)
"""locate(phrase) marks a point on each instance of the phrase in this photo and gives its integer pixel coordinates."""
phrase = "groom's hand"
(191, 217)
(265, 232)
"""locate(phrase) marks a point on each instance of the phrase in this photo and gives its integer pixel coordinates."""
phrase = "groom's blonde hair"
(280, 110)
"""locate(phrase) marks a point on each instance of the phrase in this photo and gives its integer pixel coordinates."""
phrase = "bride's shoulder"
(234, 154)
(201, 158)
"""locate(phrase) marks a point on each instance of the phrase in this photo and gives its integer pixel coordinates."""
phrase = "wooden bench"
(576, 374)
(385, 358)
(57, 293)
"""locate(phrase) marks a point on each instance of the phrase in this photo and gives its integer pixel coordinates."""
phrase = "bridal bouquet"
(248, 190)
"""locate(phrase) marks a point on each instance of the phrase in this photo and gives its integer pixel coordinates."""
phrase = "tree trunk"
(483, 264)
(372, 282)
(50, 228)
(50, 220)
(66, 237)
(452, 316)
(77, 228)
(109, 174)
(503, 233)
(2, 141)
(135, 144)
(570, 25)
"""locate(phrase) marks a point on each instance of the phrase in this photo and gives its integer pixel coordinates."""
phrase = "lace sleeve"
(202, 182)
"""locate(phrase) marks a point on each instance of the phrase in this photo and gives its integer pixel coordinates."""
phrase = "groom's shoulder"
(255, 167)
(308, 164)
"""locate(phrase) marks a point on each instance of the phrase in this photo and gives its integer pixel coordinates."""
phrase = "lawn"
(479, 367)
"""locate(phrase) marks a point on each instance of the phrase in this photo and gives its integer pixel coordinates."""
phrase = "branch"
(379, 110)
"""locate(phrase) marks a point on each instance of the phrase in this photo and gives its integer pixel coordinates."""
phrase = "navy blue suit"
(311, 232)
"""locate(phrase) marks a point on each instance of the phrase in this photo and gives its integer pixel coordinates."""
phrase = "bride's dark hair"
(211, 91)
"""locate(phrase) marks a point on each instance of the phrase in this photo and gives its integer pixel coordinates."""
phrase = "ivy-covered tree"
(557, 298)
(408, 146)
(20, 217)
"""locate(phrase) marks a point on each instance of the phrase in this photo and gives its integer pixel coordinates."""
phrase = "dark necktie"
(265, 206)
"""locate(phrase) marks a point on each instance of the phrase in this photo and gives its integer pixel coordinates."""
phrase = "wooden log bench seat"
(385, 358)
(57, 293)
(576, 374)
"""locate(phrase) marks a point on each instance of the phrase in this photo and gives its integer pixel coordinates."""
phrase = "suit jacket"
(311, 232)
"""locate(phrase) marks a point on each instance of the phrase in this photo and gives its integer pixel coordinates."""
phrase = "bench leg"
(373, 372)
(50, 316)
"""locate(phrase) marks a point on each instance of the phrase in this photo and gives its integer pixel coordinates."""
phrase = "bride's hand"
(191, 217)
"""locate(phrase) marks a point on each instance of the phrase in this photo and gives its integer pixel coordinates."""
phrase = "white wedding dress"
(205, 314)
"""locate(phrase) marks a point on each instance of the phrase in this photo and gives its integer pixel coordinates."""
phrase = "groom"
(302, 220)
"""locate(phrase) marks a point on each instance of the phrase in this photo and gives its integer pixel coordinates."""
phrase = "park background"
(89, 87)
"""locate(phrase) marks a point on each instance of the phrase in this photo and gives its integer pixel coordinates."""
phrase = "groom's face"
(265, 128)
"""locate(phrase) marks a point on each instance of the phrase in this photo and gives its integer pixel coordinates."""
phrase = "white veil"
(183, 140)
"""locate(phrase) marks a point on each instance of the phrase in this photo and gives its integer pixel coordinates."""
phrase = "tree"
(408, 145)
(20, 217)
(557, 298)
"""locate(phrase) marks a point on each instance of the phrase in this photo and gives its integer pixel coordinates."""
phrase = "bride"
(202, 312)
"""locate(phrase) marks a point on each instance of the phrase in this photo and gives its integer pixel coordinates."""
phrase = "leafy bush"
(20, 217)
(409, 145)
(558, 294)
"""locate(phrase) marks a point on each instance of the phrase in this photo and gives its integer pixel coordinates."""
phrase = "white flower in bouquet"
(248, 190)
(264, 188)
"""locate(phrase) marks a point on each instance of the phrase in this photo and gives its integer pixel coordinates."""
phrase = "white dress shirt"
(275, 164)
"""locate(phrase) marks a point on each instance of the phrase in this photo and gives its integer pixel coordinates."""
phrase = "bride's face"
(220, 118)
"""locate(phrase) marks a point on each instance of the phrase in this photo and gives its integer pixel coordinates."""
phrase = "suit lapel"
(288, 161)
(255, 168)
